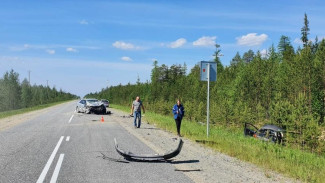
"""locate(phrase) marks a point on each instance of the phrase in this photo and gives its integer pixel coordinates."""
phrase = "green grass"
(294, 163)
(25, 110)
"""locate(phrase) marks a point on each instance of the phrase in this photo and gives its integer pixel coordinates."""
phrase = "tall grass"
(294, 163)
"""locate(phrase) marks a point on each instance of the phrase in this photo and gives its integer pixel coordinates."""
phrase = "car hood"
(94, 104)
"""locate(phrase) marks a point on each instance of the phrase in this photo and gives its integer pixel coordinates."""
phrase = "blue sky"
(84, 46)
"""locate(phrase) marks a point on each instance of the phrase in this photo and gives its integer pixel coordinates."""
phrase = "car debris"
(149, 157)
(270, 133)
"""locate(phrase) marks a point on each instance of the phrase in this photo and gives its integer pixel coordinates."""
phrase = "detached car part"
(271, 133)
(149, 157)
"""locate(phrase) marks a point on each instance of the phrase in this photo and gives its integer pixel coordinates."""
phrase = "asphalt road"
(63, 146)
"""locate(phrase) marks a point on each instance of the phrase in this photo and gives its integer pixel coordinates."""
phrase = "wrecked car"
(149, 157)
(91, 106)
(270, 133)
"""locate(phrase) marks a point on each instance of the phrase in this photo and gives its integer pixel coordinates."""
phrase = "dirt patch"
(199, 163)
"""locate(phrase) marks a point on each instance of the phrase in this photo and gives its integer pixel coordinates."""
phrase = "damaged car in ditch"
(89, 106)
(269, 133)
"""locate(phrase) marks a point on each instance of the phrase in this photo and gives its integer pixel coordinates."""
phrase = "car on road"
(105, 102)
(270, 133)
(91, 106)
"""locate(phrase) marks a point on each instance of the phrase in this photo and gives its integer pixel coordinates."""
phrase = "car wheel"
(103, 109)
(77, 109)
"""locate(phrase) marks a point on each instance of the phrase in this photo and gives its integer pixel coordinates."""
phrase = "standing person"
(178, 111)
(136, 108)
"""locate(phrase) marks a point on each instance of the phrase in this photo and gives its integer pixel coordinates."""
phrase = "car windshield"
(92, 101)
(105, 101)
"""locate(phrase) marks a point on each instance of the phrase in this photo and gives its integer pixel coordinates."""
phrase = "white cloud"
(51, 52)
(83, 22)
(297, 41)
(19, 48)
(71, 50)
(251, 39)
(128, 59)
(321, 38)
(51, 47)
(178, 43)
(205, 41)
(125, 46)
(264, 53)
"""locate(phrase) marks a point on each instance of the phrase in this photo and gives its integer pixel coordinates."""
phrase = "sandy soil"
(199, 163)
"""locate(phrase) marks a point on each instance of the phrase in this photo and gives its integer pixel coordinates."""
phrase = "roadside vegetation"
(15, 95)
(282, 86)
(305, 166)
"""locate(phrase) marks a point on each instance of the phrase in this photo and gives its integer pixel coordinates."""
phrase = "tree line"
(16, 95)
(285, 87)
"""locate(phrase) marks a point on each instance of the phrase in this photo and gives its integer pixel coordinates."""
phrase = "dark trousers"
(178, 125)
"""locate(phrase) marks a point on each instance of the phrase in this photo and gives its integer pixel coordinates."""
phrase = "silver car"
(105, 102)
(91, 106)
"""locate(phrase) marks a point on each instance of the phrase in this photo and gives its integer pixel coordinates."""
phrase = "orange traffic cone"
(102, 120)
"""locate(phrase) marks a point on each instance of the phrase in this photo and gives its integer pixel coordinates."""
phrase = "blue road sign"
(204, 71)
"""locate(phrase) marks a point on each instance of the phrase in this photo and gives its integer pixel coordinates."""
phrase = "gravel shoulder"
(201, 164)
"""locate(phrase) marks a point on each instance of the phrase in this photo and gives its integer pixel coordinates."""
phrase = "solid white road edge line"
(49, 162)
(67, 139)
(71, 118)
(57, 169)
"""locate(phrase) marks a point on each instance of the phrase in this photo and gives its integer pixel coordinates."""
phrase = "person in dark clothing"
(178, 111)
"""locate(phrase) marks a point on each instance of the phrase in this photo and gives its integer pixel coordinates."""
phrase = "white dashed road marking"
(71, 118)
(67, 139)
(57, 169)
(49, 162)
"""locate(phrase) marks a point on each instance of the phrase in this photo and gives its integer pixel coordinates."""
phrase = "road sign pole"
(208, 100)
(208, 72)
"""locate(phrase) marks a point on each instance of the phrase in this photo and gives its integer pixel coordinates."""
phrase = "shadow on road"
(184, 161)
(104, 157)
(206, 142)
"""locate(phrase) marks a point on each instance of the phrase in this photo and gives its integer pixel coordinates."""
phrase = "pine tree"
(305, 31)
(236, 60)
(26, 93)
(248, 56)
(217, 55)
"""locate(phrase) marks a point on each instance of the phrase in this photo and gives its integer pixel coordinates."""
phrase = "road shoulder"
(199, 163)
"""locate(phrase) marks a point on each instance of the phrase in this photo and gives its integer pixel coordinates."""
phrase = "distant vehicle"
(271, 133)
(105, 102)
(91, 106)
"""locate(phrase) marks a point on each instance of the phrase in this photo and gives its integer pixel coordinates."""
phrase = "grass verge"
(294, 163)
(25, 110)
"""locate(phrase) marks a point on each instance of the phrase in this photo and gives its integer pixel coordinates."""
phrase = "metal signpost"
(208, 73)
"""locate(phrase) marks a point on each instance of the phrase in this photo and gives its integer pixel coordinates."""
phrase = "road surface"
(59, 145)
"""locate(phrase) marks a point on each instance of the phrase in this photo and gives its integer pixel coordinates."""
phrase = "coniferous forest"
(16, 95)
(285, 87)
